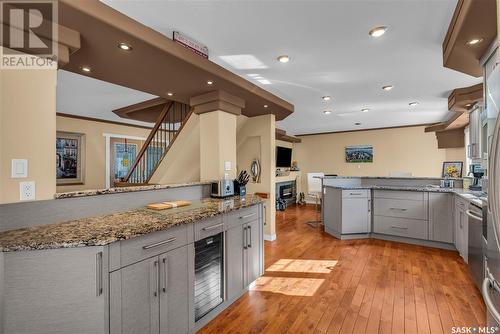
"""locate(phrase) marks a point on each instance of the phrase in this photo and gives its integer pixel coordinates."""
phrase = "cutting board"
(168, 205)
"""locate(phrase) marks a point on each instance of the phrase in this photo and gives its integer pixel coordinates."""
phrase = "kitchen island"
(127, 272)
(412, 210)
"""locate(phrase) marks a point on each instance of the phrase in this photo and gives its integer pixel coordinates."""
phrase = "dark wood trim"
(371, 129)
(148, 140)
(91, 119)
(191, 111)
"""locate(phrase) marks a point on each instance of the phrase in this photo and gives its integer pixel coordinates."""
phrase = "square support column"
(218, 112)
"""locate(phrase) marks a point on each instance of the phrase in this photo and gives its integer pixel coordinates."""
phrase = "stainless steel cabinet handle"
(355, 194)
(245, 238)
(159, 243)
(250, 243)
(473, 216)
(398, 209)
(369, 205)
(213, 227)
(400, 227)
(488, 284)
(156, 276)
(248, 216)
(98, 274)
(165, 274)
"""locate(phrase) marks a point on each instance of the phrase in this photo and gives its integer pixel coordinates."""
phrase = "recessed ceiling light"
(327, 112)
(388, 87)
(365, 109)
(86, 69)
(125, 46)
(327, 98)
(413, 104)
(283, 59)
(210, 82)
(170, 94)
(357, 123)
(468, 105)
(265, 105)
(377, 31)
(475, 41)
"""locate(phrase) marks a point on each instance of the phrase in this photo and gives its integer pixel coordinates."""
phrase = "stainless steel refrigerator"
(491, 283)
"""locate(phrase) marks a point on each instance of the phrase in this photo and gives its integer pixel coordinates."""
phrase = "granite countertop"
(117, 190)
(386, 177)
(103, 230)
(471, 196)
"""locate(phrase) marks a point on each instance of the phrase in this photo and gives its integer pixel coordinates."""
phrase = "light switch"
(19, 168)
(227, 165)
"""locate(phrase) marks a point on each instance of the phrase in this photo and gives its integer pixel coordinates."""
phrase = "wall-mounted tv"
(283, 156)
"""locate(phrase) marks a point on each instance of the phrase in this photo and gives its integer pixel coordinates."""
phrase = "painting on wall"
(70, 158)
(452, 169)
(359, 154)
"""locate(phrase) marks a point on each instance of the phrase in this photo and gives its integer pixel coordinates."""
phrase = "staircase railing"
(169, 123)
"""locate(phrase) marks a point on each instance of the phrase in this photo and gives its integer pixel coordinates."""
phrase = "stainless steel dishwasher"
(476, 243)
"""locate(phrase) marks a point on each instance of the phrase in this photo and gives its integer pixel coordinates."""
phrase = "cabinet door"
(253, 251)
(464, 225)
(235, 239)
(134, 298)
(55, 291)
(355, 213)
(174, 291)
(473, 151)
(441, 218)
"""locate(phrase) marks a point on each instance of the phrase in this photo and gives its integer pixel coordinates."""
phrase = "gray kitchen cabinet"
(461, 228)
(474, 149)
(151, 296)
(347, 211)
(55, 291)
(134, 300)
(253, 252)
(234, 261)
(174, 291)
(244, 254)
(356, 215)
(441, 225)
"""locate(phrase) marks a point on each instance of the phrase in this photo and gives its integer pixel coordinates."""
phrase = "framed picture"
(452, 169)
(70, 158)
(359, 154)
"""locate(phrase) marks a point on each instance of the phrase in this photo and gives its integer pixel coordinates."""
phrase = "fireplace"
(286, 191)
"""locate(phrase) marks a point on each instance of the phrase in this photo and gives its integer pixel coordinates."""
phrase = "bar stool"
(314, 183)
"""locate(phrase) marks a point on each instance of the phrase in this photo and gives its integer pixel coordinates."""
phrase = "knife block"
(240, 189)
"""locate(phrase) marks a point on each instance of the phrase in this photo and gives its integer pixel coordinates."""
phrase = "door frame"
(108, 137)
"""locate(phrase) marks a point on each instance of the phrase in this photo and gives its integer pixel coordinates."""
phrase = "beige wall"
(217, 144)
(407, 149)
(28, 130)
(256, 139)
(182, 163)
(95, 148)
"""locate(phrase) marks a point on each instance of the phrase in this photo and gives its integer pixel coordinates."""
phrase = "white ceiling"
(331, 54)
(84, 96)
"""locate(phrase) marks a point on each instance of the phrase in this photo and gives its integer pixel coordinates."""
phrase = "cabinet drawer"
(400, 208)
(410, 228)
(140, 248)
(355, 193)
(242, 216)
(208, 227)
(396, 194)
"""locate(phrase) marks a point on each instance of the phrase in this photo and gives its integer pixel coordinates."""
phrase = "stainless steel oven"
(476, 243)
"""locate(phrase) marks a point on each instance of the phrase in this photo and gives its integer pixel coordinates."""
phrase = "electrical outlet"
(27, 191)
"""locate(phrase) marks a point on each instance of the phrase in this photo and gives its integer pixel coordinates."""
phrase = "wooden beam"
(281, 135)
(461, 99)
(451, 139)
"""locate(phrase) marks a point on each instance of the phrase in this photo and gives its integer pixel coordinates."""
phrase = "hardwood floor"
(315, 283)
